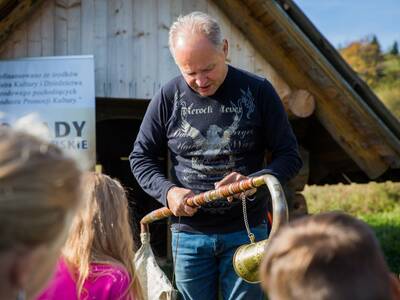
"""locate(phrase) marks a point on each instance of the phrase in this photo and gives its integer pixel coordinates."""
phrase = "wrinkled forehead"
(195, 53)
(187, 41)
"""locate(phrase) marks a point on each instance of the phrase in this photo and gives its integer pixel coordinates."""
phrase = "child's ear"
(395, 286)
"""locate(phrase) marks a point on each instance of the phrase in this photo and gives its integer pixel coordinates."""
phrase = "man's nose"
(201, 81)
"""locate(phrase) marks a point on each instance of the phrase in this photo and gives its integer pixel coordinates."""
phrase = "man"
(217, 122)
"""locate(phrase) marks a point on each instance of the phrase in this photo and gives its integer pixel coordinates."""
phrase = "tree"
(395, 49)
(375, 42)
(365, 58)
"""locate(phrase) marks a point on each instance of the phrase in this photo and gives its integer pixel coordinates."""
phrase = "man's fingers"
(177, 198)
(251, 192)
(232, 177)
(186, 210)
(248, 193)
(190, 211)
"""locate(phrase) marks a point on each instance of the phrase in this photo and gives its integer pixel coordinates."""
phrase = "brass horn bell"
(247, 258)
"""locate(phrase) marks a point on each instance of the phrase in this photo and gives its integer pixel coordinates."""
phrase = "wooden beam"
(299, 206)
(296, 203)
(14, 17)
(299, 182)
(299, 104)
(341, 104)
(350, 122)
(340, 64)
(6, 6)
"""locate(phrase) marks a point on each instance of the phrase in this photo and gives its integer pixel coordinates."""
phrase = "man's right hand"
(176, 198)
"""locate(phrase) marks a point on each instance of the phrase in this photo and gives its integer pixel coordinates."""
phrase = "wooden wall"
(129, 41)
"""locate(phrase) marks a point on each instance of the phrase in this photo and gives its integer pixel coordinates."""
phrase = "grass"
(376, 204)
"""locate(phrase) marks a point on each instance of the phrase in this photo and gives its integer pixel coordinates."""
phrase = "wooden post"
(296, 201)
(299, 104)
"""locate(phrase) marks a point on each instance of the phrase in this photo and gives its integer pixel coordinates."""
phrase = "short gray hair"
(195, 22)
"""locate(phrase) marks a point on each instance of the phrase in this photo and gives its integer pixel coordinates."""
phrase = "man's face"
(201, 63)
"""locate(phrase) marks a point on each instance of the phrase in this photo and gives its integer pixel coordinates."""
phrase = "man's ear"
(225, 47)
(24, 265)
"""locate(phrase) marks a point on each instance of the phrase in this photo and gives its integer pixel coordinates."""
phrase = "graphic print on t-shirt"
(212, 152)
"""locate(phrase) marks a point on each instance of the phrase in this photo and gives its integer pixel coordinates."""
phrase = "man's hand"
(231, 178)
(176, 198)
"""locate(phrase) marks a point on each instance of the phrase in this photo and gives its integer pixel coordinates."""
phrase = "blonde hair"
(101, 231)
(323, 257)
(195, 22)
(39, 190)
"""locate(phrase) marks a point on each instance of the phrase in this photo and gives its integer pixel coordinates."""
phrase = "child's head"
(323, 257)
(101, 231)
(39, 191)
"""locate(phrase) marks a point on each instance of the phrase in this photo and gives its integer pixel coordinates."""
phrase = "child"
(328, 256)
(39, 195)
(97, 260)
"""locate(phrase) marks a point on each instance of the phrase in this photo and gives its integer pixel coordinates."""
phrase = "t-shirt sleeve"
(150, 145)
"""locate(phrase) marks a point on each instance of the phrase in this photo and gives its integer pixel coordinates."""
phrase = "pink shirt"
(109, 282)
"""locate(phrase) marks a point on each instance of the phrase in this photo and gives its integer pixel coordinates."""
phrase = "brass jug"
(247, 258)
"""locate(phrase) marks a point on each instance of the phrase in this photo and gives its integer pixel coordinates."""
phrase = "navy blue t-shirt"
(209, 137)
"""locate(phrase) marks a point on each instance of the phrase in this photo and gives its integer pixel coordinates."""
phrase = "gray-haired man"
(215, 120)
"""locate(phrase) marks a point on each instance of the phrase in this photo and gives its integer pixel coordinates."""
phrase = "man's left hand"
(231, 178)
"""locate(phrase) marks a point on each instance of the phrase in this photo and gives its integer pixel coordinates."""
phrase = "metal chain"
(246, 221)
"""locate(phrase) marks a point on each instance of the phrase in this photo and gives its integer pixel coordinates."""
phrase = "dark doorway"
(114, 142)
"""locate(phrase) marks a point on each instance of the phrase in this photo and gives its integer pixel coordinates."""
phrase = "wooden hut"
(345, 133)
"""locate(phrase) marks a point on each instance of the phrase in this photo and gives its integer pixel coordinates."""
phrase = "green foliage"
(391, 66)
(390, 95)
(388, 87)
(376, 204)
(395, 49)
(381, 71)
(375, 42)
(365, 57)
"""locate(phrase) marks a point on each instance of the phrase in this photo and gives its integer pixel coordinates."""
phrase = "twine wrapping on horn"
(200, 199)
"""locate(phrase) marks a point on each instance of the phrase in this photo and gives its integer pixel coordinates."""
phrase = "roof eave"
(351, 121)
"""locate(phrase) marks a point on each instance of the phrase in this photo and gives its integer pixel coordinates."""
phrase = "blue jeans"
(204, 260)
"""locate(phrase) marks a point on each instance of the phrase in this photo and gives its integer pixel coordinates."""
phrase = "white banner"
(60, 90)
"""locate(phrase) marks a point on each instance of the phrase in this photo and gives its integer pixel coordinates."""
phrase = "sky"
(344, 21)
